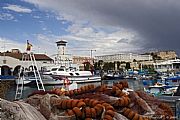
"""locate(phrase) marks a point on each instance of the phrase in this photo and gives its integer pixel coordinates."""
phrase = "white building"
(127, 57)
(167, 65)
(10, 62)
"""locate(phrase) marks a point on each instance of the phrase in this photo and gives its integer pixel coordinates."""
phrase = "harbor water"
(10, 94)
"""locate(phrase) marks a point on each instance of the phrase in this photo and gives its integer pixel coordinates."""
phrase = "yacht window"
(77, 73)
(71, 74)
(53, 69)
(60, 69)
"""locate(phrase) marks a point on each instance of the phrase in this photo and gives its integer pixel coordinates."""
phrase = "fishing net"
(18, 110)
(43, 104)
(89, 103)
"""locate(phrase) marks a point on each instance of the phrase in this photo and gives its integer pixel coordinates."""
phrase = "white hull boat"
(79, 79)
(73, 75)
(47, 80)
(59, 80)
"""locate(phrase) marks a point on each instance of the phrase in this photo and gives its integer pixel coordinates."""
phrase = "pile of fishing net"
(90, 102)
(18, 110)
(103, 102)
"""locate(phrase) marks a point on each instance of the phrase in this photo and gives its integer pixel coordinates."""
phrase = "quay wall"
(4, 86)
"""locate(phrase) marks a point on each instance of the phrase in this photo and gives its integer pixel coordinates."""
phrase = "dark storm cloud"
(156, 21)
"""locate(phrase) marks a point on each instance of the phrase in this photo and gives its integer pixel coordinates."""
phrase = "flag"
(29, 46)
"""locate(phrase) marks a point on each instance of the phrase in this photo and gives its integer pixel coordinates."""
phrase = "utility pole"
(92, 54)
(38, 49)
(4, 61)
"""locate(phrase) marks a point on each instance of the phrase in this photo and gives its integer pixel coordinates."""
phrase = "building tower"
(62, 58)
(61, 47)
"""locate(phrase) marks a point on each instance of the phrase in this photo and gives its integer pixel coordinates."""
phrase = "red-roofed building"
(10, 62)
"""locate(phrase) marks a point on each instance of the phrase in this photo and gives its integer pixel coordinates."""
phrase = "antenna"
(4, 60)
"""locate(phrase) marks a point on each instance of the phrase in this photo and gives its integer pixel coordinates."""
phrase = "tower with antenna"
(61, 47)
(62, 58)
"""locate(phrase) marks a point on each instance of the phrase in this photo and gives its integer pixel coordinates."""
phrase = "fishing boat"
(173, 81)
(161, 89)
(113, 76)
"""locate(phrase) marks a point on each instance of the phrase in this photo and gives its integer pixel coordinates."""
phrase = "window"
(53, 69)
(60, 69)
(71, 74)
(77, 73)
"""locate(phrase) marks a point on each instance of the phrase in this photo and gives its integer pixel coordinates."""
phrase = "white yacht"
(73, 75)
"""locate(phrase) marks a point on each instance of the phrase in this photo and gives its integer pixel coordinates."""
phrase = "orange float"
(88, 112)
(93, 112)
(70, 112)
(80, 104)
(99, 109)
(110, 112)
(74, 103)
(77, 111)
(69, 104)
(108, 117)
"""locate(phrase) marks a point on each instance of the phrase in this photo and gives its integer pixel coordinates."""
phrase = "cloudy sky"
(107, 26)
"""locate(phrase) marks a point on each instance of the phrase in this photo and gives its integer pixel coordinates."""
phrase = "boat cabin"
(70, 71)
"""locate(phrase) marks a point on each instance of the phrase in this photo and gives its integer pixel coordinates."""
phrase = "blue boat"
(112, 76)
(167, 86)
(2, 77)
(160, 89)
(173, 81)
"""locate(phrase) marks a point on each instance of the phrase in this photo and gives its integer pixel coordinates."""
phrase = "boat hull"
(48, 80)
(78, 79)
(45, 81)
(113, 77)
